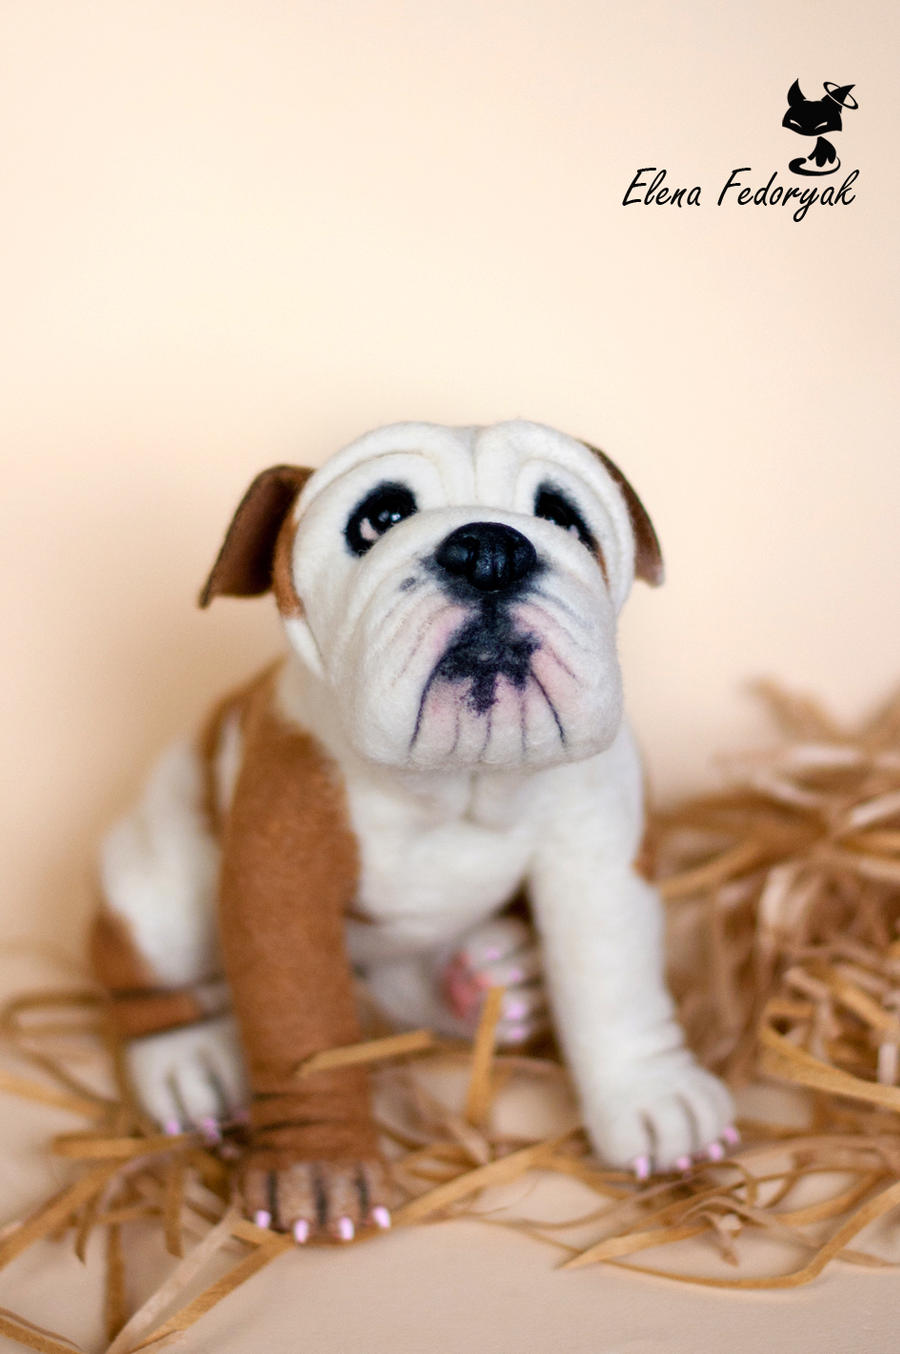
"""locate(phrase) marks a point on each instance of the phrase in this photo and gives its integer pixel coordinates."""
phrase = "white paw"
(190, 1078)
(501, 953)
(665, 1113)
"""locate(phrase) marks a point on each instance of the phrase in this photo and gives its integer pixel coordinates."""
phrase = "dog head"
(456, 588)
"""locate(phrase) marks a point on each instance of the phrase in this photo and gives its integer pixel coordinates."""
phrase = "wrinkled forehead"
(472, 464)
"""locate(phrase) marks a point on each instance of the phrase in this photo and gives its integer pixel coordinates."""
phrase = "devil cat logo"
(812, 117)
(820, 118)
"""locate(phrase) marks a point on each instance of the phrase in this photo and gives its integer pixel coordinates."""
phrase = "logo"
(811, 117)
(806, 117)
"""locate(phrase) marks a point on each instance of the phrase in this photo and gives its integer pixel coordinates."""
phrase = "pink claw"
(262, 1217)
(381, 1217)
(731, 1135)
(171, 1128)
(516, 1010)
(715, 1151)
(491, 954)
(517, 1034)
(346, 1230)
(641, 1167)
(210, 1129)
(683, 1163)
(301, 1231)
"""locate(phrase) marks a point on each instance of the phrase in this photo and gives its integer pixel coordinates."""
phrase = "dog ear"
(795, 95)
(244, 565)
(648, 560)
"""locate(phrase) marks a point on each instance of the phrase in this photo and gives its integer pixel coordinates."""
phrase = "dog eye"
(380, 510)
(555, 506)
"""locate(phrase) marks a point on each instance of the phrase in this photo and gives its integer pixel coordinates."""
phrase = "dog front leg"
(289, 871)
(647, 1103)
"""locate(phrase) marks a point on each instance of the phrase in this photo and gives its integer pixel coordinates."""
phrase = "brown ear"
(244, 564)
(648, 560)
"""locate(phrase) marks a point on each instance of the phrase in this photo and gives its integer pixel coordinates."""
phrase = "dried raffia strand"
(495, 1173)
(392, 1046)
(68, 1001)
(245, 1269)
(116, 1314)
(139, 1325)
(55, 1213)
(479, 1095)
(469, 1139)
(75, 1090)
(613, 1184)
(90, 1211)
(780, 1058)
(878, 1207)
(35, 1337)
(46, 1095)
(173, 1205)
(789, 879)
(96, 1147)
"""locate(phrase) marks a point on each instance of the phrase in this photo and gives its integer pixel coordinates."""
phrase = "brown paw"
(318, 1200)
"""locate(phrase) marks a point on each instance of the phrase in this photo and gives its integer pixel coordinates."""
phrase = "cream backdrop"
(242, 231)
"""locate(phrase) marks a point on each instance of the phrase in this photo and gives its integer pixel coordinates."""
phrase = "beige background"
(243, 231)
(238, 233)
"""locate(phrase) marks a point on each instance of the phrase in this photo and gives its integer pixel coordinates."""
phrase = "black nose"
(488, 555)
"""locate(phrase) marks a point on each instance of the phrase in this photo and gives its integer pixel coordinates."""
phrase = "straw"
(784, 887)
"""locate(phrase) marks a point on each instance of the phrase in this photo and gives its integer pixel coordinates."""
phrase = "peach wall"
(243, 231)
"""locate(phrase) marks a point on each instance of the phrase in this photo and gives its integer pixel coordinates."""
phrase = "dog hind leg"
(154, 946)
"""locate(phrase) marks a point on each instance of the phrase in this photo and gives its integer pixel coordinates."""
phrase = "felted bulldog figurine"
(445, 733)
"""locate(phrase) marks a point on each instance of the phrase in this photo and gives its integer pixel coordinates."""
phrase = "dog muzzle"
(486, 649)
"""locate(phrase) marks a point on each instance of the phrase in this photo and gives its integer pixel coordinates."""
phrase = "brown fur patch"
(244, 564)
(289, 603)
(207, 750)
(289, 871)
(210, 737)
(648, 561)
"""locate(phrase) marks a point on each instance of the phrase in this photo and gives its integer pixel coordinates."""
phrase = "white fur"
(448, 831)
(374, 627)
(601, 929)
(463, 841)
(187, 1075)
(442, 853)
(158, 872)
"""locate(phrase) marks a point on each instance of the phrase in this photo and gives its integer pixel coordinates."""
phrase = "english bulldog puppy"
(446, 733)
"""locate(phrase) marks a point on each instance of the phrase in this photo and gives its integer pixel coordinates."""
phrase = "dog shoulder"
(253, 732)
(272, 781)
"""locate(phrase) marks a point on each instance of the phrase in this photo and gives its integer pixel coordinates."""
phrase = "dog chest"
(428, 871)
